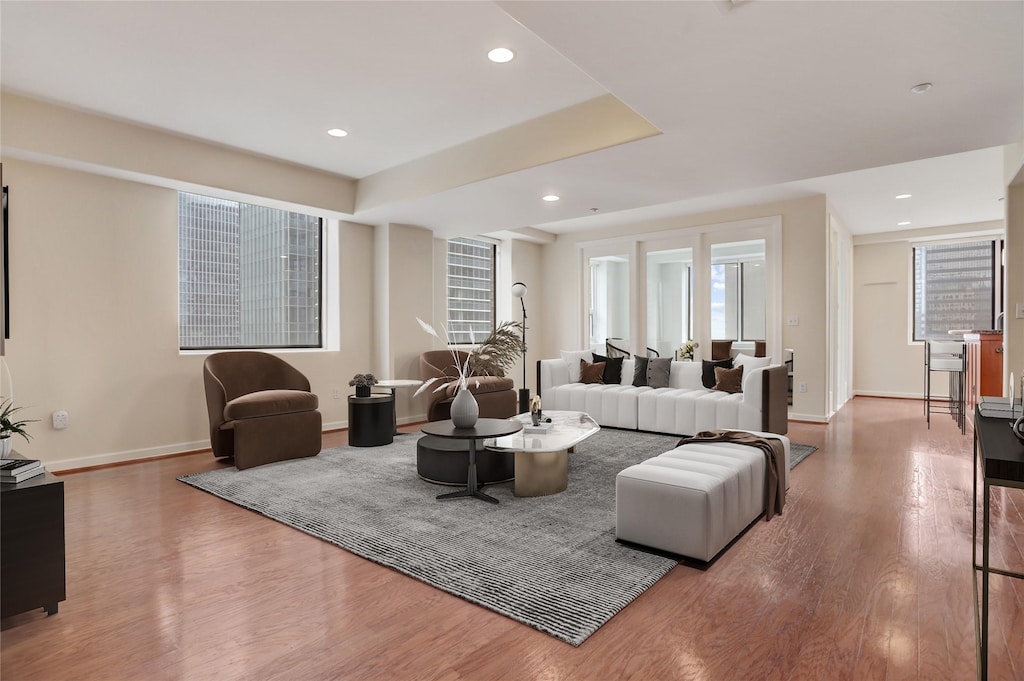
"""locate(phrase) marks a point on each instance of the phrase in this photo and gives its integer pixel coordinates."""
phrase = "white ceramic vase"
(465, 410)
(5, 446)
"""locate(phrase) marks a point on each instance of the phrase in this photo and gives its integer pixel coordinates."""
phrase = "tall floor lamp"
(519, 291)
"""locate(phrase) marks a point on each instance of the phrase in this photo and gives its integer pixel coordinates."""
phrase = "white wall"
(804, 265)
(94, 310)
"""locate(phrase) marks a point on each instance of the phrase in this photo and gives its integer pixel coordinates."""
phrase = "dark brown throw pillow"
(707, 374)
(592, 373)
(729, 380)
(658, 370)
(721, 349)
(639, 371)
(612, 368)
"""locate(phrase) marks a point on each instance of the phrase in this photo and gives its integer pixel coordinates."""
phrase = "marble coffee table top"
(569, 428)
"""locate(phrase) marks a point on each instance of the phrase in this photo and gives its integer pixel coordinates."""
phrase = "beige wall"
(804, 285)
(1014, 286)
(885, 363)
(94, 309)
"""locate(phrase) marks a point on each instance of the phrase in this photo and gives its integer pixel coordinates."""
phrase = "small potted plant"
(9, 426)
(685, 351)
(363, 382)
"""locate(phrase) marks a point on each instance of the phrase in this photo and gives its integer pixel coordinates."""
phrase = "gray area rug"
(549, 562)
(798, 453)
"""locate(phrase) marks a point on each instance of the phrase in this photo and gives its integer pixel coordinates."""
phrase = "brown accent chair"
(260, 408)
(495, 395)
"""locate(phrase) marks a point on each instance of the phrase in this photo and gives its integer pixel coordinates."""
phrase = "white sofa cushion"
(572, 362)
(748, 363)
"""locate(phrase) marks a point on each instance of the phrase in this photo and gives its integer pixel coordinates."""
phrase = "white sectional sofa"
(685, 407)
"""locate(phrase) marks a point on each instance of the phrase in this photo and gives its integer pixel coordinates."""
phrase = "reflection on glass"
(669, 299)
(609, 300)
(737, 290)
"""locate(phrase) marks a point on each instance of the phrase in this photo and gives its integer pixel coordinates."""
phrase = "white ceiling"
(768, 100)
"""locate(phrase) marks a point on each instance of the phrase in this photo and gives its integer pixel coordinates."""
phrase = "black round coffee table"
(484, 428)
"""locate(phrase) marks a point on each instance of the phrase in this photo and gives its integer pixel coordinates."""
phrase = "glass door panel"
(609, 301)
(669, 299)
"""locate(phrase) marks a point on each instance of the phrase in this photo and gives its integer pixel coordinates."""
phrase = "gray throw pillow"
(657, 372)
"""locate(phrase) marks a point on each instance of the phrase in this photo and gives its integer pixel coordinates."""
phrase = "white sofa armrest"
(551, 372)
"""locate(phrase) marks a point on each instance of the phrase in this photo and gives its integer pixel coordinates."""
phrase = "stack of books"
(16, 470)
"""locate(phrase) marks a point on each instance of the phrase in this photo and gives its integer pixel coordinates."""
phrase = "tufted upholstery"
(685, 407)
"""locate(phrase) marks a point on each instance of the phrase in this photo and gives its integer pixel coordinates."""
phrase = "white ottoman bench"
(693, 500)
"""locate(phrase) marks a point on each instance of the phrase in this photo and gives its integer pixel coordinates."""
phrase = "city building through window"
(248, 276)
(955, 288)
(470, 290)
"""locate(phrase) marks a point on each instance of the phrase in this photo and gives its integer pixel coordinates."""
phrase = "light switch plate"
(1019, 313)
(793, 321)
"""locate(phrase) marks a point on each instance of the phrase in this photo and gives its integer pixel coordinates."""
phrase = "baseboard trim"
(127, 456)
(807, 418)
(162, 451)
(898, 396)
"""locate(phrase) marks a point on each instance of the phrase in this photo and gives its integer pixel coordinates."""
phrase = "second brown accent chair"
(261, 409)
(495, 395)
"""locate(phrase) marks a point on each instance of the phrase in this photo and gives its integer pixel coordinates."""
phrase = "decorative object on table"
(363, 383)
(535, 410)
(465, 410)
(686, 350)
(9, 426)
(1018, 429)
(519, 291)
(16, 470)
(538, 423)
(492, 358)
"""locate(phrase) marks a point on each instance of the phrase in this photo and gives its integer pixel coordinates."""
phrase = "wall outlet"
(336, 393)
(803, 387)
(60, 419)
(793, 321)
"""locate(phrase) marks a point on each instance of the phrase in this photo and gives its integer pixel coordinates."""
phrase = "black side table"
(484, 428)
(371, 420)
(32, 545)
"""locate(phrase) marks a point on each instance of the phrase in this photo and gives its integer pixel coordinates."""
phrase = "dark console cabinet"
(32, 545)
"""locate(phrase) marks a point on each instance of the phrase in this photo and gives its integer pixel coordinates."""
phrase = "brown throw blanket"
(775, 461)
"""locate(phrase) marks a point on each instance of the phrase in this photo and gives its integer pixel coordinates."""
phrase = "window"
(738, 291)
(669, 299)
(470, 290)
(955, 287)
(248, 276)
(609, 301)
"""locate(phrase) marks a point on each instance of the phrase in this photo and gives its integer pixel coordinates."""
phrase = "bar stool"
(949, 357)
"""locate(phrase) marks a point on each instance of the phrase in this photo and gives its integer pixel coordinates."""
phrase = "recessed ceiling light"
(551, 197)
(337, 132)
(903, 196)
(921, 88)
(901, 224)
(501, 55)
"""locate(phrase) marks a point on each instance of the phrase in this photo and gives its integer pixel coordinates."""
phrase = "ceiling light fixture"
(901, 224)
(551, 197)
(337, 132)
(500, 55)
(903, 196)
(921, 88)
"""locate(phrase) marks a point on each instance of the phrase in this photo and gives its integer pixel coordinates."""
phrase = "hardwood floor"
(867, 575)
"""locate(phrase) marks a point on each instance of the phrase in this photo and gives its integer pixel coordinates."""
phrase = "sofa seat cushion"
(269, 403)
(479, 385)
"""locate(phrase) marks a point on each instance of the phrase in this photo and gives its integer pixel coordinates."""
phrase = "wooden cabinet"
(32, 545)
(984, 367)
